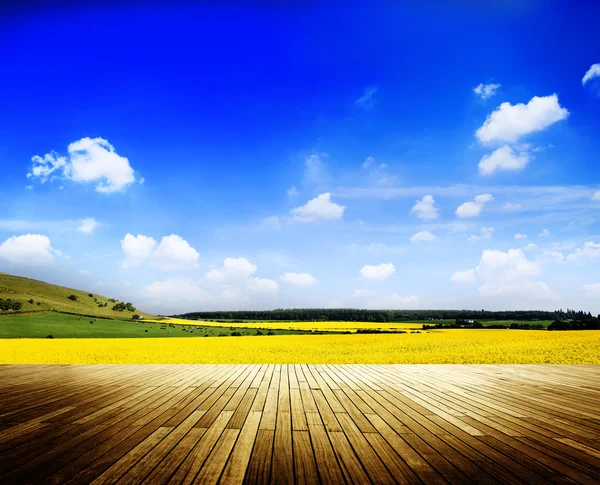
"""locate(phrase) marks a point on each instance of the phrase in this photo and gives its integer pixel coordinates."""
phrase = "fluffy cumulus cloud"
(89, 160)
(502, 159)
(520, 236)
(393, 302)
(173, 254)
(590, 250)
(233, 269)
(137, 249)
(298, 279)
(423, 236)
(425, 208)
(596, 195)
(28, 249)
(378, 272)
(88, 225)
(362, 292)
(473, 208)
(486, 91)
(318, 209)
(592, 73)
(510, 122)
(511, 274)
(544, 233)
(467, 276)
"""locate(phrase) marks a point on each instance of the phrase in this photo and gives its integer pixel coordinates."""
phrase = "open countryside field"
(431, 347)
(319, 326)
(60, 325)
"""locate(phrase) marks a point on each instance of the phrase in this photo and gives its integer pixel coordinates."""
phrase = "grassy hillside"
(46, 297)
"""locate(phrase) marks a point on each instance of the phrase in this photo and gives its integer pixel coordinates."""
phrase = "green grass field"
(61, 325)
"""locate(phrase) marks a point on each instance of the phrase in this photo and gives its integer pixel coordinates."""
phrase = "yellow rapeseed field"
(434, 347)
(322, 326)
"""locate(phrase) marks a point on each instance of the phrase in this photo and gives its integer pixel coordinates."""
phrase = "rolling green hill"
(48, 297)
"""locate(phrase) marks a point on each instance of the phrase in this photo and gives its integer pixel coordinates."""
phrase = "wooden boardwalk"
(299, 424)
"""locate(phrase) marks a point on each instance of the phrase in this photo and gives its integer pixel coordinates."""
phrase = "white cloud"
(473, 208)
(172, 292)
(511, 274)
(425, 208)
(314, 168)
(174, 253)
(504, 158)
(508, 123)
(293, 193)
(84, 271)
(233, 269)
(298, 279)
(393, 302)
(486, 91)
(90, 160)
(553, 256)
(520, 236)
(368, 162)
(510, 207)
(367, 100)
(137, 249)
(361, 293)
(590, 250)
(319, 208)
(531, 247)
(48, 167)
(379, 272)
(486, 233)
(28, 249)
(467, 276)
(262, 285)
(88, 225)
(591, 289)
(423, 236)
(596, 196)
(592, 72)
(544, 233)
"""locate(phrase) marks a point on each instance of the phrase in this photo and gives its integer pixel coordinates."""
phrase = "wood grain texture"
(299, 424)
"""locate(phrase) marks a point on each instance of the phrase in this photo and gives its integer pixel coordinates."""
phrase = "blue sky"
(222, 157)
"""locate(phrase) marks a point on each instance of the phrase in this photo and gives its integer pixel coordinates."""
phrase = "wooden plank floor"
(262, 424)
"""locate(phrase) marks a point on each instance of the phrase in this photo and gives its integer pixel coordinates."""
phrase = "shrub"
(91, 295)
(31, 301)
(236, 334)
(72, 297)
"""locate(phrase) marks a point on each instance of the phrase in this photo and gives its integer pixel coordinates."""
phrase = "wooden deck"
(299, 424)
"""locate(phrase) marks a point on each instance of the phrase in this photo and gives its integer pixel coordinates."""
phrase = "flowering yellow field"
(322, 326)
(435, 347)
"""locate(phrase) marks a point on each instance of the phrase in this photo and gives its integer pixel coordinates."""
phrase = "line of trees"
(10, 305)
(357, 315)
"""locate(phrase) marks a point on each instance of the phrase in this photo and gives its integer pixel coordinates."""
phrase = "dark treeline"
(355, 315)
(586, 324)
